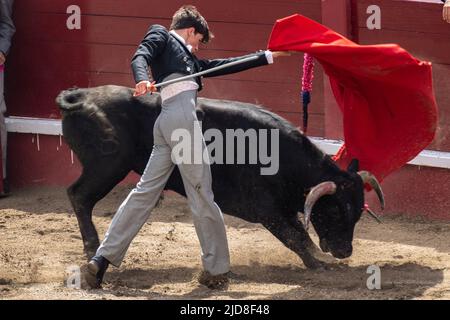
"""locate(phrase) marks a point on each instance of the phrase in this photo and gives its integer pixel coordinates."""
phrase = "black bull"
(111, 132)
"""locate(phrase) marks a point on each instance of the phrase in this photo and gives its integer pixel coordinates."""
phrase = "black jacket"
(7, 28)
(165, 55)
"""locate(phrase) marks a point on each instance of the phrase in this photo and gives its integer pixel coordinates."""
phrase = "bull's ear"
(353, 166)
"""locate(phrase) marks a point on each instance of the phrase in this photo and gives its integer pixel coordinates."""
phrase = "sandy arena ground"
(39, 240)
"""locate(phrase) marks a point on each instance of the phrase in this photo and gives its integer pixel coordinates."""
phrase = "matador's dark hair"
(188, 17)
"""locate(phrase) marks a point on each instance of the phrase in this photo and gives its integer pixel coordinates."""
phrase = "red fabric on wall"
(385, 94)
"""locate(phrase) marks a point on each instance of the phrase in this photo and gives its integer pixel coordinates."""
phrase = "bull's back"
(106, 121)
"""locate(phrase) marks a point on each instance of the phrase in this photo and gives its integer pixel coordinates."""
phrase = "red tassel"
(308, 75)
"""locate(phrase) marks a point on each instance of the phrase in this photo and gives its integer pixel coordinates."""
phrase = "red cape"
(385, 94)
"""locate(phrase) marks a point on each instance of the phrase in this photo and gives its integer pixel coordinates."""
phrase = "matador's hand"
(144, 87)
(446, 11)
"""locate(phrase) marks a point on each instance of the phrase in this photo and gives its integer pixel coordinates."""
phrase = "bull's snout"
(342, 252)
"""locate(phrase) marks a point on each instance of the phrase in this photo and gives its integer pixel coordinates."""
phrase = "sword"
(201, 73)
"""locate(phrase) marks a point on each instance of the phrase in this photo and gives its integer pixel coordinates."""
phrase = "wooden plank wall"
(47, 57)
(417, 26)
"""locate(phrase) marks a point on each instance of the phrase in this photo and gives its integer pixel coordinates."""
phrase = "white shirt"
(176, 35)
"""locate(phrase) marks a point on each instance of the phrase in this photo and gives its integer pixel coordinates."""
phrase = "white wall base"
(34, 125)
(428, 158)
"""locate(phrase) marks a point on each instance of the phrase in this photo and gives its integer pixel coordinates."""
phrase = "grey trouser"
(3, 132)
(177, 112)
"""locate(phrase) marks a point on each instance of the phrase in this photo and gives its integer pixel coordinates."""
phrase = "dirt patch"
(39, 241)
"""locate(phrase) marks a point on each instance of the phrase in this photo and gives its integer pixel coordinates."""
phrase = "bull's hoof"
(89, 254)
(320, 256)
(315, 264)
(216, 282)
(90, 250)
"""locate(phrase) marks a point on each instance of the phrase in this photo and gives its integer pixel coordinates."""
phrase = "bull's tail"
(86, 127)
(71, 99)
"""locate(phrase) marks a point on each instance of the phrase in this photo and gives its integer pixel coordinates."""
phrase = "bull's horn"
(369, 178)
(373, 215)
(324, 188)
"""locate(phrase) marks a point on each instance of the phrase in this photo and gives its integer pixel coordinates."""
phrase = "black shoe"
(96, 269)
(216, 282)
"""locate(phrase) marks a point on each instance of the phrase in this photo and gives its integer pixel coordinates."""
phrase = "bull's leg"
(84, 194)
(312, 248)
(295, 239)
(82, 207)
(309, 243)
